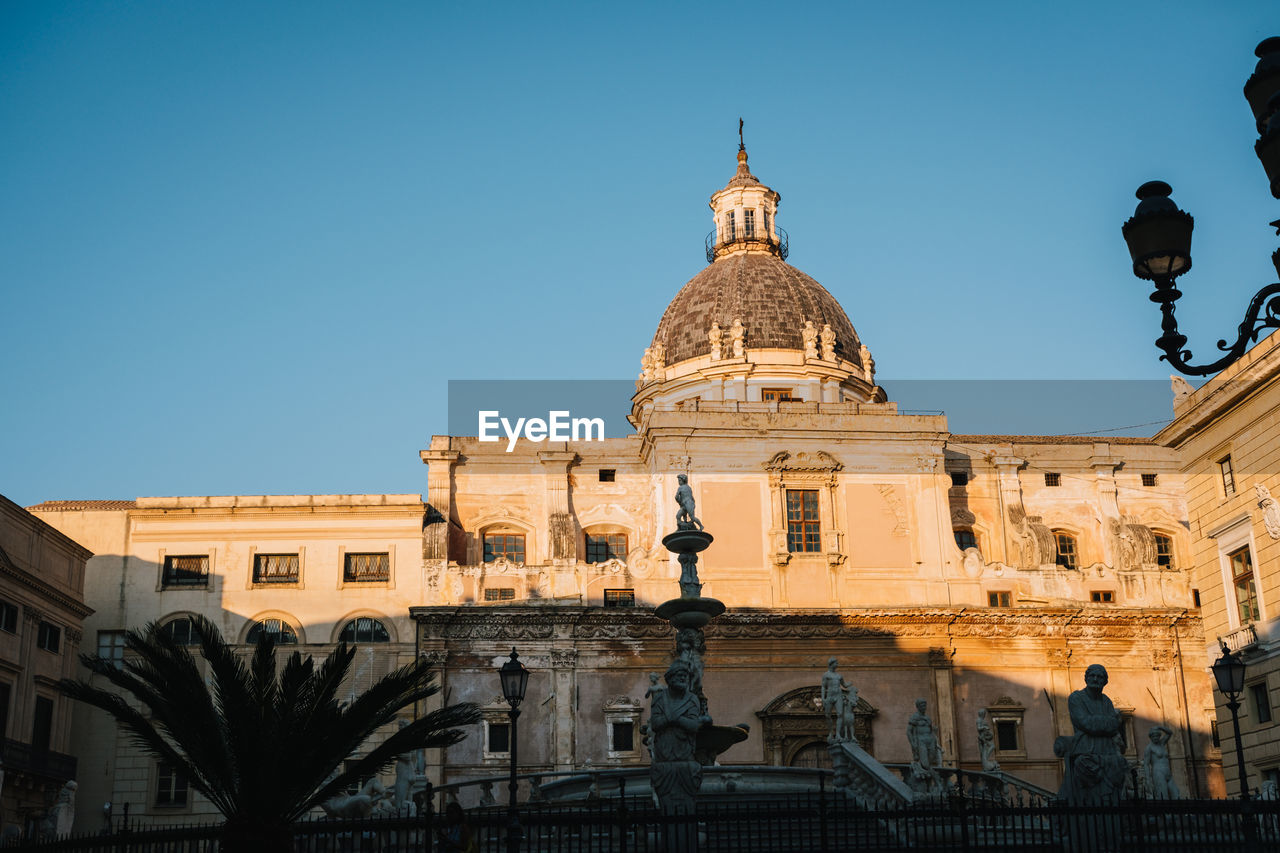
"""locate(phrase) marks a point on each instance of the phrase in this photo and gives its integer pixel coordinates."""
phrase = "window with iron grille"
(501, 593)
(749, 223)
(1164, 551)
(803, 534)
(606, 546)
(1066, 544)
(49, 637)
(619, 598)
(275, 568)
(1148, 480)
(1052, 479)
(363, 629)
(171, 786)
(965, 539)
(279, 629)
(366, 568)
(509, 546)
(186, 570)
(1242, 582)
(1228, 476)
(8, 617)
(111, 647)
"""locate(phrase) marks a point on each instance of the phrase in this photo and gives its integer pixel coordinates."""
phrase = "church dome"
(772, 299)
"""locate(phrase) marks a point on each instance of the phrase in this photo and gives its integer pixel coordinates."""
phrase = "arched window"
(965, 538)
(281, 630)
(364, 630)
(182, 630)
(1066, 544)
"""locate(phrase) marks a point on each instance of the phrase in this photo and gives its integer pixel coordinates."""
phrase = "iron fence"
(768, 824)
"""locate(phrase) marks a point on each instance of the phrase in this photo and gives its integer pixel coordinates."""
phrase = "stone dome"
(772, 298)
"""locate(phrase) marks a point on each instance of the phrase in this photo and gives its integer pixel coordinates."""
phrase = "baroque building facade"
(979, 572)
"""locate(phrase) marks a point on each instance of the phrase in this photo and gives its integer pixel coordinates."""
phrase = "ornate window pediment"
(794, 721)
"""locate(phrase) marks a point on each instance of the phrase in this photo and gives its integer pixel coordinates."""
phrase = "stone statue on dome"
(716, 337)
(738, 335)
(828, 343)
(810, 335)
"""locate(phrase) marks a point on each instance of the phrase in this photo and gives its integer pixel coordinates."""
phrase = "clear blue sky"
(243, 246)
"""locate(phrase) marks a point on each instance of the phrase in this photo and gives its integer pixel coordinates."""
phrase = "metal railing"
(19, 756)
(825, 822)
(779, 240)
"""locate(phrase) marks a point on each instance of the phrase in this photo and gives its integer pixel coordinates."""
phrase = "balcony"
(778, 241)
(23, 758)
(1242, 638)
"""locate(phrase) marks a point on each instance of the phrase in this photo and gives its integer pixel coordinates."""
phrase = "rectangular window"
(362, 568)
(1102, 596)
(5, 690)
(1228, 478)
(49, 637)
(1242, 582)
(606, 546)
(607, 475)
(111, 646)
(500, 593)
(8, 617)
(1007, 735)
(960, 479)
(619, 598)
(1195, 597)
(1164, 551)
(802, 521)
(499, 737)
(171, 786)
(189, 570)
(1148, 480)
(767, 229)
(275, 568)
(749, 223)
(1000, 599)
(508, 546)
(730, 228)
(42, 724)
(1261, 701)
(1213, 734)
(777, 395)
(622, 737)
(1052, 479)
(965, 539)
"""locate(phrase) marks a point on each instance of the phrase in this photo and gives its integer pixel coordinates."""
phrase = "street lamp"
(1159, 234)
(515, 678)
(1228, 671)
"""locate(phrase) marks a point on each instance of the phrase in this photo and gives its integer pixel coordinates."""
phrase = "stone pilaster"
(564, 685)
(562, 529)
(435, 534)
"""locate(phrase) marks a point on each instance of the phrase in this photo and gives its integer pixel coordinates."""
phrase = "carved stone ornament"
(896, 506)
(564, 658)
(784, 462)
(1270, 510)
(962, 516)
(435, 657)
(611, 566)
(501, 565)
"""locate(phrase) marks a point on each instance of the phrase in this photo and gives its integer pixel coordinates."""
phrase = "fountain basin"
(689, 612)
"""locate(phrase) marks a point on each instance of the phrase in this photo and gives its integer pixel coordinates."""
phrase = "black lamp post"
(1159, 234)
(1228, 671)
(515, 679)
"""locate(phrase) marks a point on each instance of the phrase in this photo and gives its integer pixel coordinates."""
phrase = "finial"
(742, 146)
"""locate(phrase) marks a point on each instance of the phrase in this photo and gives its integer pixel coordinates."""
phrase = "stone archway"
(793, 723)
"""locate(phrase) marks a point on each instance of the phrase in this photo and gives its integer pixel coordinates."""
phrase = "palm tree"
(262, 746)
